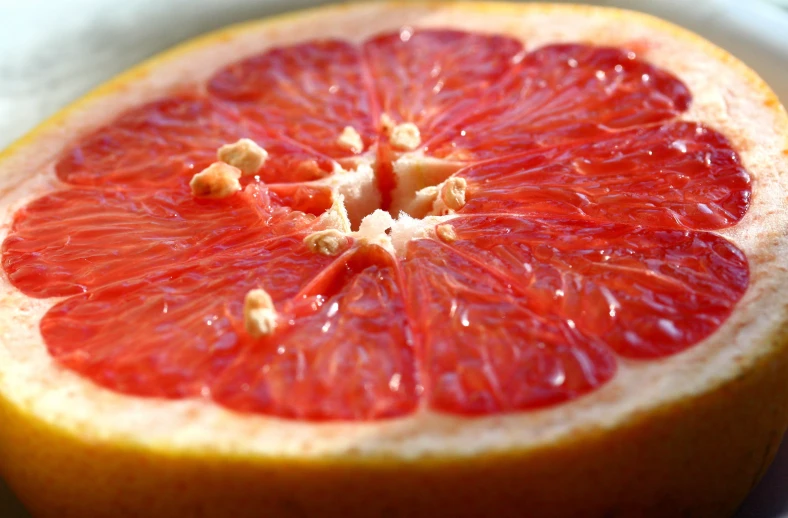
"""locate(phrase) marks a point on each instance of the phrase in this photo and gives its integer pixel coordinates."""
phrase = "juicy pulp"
(582, 240)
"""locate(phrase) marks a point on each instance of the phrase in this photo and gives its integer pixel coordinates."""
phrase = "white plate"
(54, 51)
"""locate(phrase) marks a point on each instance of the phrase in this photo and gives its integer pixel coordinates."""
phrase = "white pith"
(356, 211)
(723, 98)
(417, 179)
(356, 214)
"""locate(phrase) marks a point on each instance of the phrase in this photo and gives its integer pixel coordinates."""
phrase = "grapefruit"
(399, 260)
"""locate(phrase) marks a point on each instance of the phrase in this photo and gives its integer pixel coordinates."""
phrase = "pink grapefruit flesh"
(583, 239)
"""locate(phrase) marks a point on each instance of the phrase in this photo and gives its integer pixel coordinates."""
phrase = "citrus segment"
(677, 175)
(308, 93)
(194, 314)
(562, 93)
(167, 141)
(430, 77)
(344, 354)
(641, 292)
(484, 348)
(77, 239)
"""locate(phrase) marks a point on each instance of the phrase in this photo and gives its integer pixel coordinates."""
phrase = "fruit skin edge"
(691, 458)
(695, 457)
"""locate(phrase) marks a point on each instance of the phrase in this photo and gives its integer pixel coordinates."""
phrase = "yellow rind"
(695, 457)
(698, 457)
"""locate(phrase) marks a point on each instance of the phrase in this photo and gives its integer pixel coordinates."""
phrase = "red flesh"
(581, 241)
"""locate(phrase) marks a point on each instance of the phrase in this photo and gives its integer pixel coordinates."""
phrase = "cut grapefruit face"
(456, 232)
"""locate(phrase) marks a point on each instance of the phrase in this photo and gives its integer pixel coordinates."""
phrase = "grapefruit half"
(488, 260)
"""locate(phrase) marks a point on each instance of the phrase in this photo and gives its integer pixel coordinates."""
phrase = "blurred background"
(52, 52)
